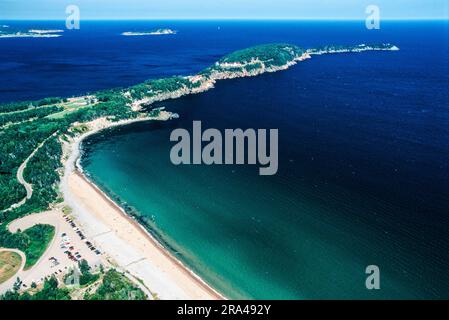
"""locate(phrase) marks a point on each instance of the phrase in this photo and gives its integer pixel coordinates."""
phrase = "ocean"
(363, 151)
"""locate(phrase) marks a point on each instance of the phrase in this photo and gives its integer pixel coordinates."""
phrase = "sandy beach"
(125, 241)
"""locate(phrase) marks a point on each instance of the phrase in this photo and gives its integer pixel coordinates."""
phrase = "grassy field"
(40, 237)
(72, 105)
(9, 264)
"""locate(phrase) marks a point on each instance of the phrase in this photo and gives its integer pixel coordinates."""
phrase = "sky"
(223, 9)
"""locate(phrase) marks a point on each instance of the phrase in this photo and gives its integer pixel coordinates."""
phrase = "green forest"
(24, 127)
(112, 285)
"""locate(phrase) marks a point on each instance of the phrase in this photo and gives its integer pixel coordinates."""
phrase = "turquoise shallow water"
(362, 179)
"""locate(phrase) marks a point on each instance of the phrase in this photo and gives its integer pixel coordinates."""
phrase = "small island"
(356, 49)
(32, 33)
(38, 31)
(157, 32)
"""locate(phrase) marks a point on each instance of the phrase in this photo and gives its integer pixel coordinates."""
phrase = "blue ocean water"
(363, 170)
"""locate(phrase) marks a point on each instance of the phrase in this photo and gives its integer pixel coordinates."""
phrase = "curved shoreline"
(151, 238)
(73, 167)
(131, 232)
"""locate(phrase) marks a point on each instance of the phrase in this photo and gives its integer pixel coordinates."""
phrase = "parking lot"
(68, 247)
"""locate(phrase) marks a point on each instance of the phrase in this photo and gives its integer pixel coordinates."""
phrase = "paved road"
(44, 267)
(28, 187)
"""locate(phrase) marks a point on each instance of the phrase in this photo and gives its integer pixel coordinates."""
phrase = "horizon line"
(235, 19)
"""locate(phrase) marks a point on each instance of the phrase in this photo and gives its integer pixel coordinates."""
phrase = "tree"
(116, 286)
(86, 276)
(51, 291)
(84, 267)
(17, 285)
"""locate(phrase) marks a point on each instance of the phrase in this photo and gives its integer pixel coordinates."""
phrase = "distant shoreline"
(158, 32)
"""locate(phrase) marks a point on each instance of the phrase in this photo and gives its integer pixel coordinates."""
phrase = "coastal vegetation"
(270, 54)
(18, 141)
(109, 285)
(35, 241)
(115, 286)
(26, 125)
(86, 277)
(23, 105)
(50, 290)
(152, 88)
(34, 113)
